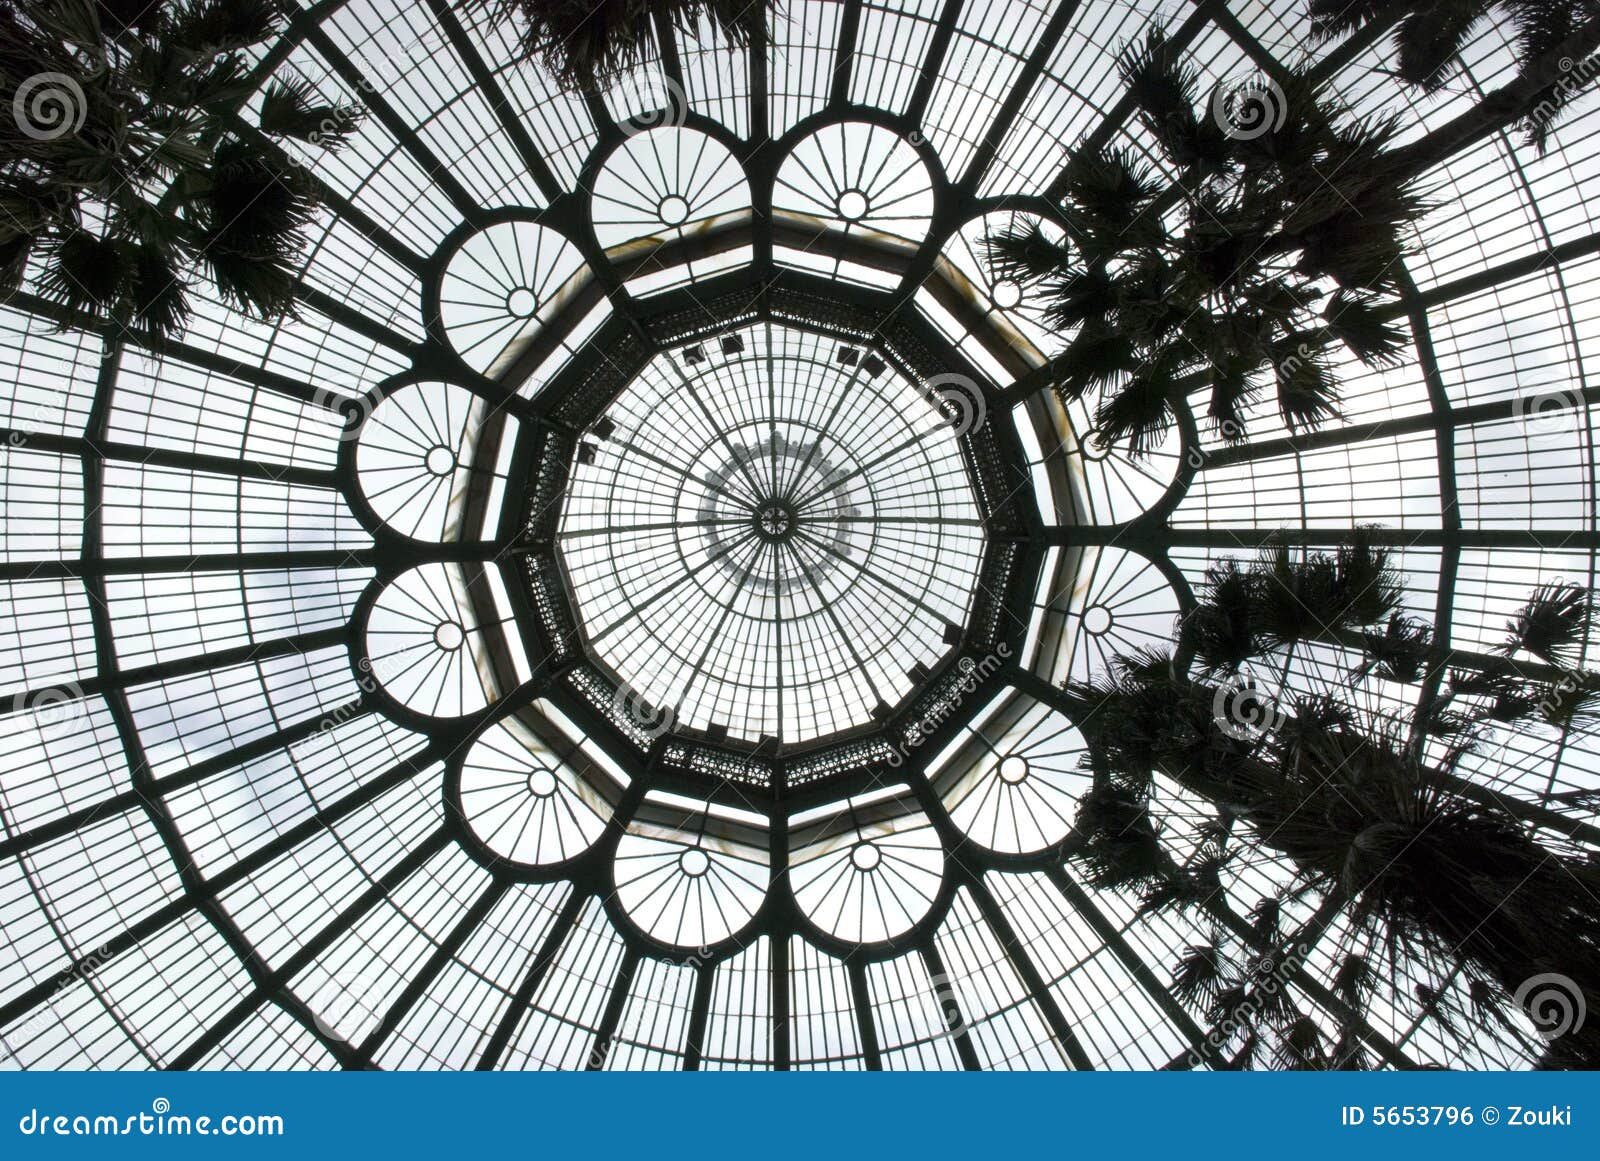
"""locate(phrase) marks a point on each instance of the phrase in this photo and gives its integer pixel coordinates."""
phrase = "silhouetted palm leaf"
(1552, 625)
(291, 109)
(590, 43)
(1399, 653)
(1369, 332)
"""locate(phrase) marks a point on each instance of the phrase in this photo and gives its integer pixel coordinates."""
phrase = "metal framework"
(346, 723)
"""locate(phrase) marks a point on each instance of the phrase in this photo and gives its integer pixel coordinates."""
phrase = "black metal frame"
(763, 286)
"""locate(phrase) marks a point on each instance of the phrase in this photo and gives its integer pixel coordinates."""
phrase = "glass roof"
(551, 649)
(773, 536)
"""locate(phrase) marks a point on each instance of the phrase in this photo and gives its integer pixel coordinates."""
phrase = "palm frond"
(1308, 396)
(1429, 41)
(1300, 1046)
(1399, 653)
(158, 296)
(1120, 847)
(1221, 630)
(1555, 622)
(83, 272)
(1140, 411)
(587, 44)
(1080, 298)
(1366, 586)
(1096, 355)
(1200, 973)
(1025, 251)
(1368, 331)
(290, 108)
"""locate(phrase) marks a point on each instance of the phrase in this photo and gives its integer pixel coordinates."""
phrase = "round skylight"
(776, 530)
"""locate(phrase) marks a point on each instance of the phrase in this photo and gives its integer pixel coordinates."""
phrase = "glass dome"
(620, 622)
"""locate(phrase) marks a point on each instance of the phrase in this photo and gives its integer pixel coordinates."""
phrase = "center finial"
(775, 520)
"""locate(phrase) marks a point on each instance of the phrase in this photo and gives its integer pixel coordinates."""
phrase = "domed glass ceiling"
(620, 622)
(772, 535)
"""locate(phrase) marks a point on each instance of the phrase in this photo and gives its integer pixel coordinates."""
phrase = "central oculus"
(776, 531)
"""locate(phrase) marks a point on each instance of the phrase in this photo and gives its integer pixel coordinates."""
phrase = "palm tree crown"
(132, 166)
(588, 44)
(1429, 38)
(1364, 802)
(1270, 244)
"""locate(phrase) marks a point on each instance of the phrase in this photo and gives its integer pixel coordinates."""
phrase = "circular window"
(853, 205)
(814, 513)
(865, 857)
